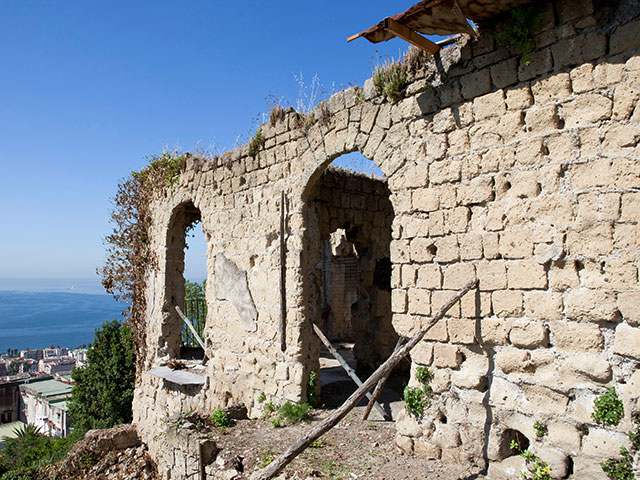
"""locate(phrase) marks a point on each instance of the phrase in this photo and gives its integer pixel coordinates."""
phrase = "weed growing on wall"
(536, 468)
(128, 254)
(220, 419)
(256, 143)
(390, 79)
(608, 408)
(622, 468)
(518, 30)
(540, 428)
(417, 399)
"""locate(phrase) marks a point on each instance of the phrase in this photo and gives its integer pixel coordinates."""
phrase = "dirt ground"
(354, 449)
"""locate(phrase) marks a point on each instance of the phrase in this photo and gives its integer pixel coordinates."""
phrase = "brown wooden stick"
(328, 423)
(283, 277)
(346, 367)
(376, 393)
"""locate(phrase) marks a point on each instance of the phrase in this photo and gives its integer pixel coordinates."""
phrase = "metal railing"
(196, 311)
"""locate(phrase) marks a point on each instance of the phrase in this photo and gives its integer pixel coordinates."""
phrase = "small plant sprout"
(417, 399)
(262, 397)
(537, 469)
(312, 398)
(622, 468)
(265, 458)
(220, 419)
(291, 413)
(518, 30)
(540, 428)
(608, 408)
(424, 375)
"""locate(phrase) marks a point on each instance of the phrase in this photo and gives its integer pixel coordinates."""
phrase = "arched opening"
(185, 279)
(347, 273)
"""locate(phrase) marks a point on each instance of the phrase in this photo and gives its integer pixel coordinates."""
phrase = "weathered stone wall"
(524, 175)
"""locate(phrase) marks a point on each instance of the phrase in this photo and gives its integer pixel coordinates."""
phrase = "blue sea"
(38, 313)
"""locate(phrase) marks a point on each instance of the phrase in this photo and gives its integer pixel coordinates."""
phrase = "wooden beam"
(414, 38)
(283, 276)
(347, 368)
(378, 390)
(332, 420)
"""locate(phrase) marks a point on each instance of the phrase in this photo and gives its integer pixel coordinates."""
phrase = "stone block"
(577, 337)
(476, 84)
(398, 301)
(494, 331)
(489, 105)
(426, 449)
(478, 190)
(565, 436)
(590, 240)
(444, 171)
(439, 332)
(539, 63)
(582, 78)
(625, 99)
(421, 250)
(627, 341)
(630, 207)
(584, 368)
(422, 353)
(511, 361)
(586, 110)
(462, 330)
(529, 335)
(490, 246)
(458, 274)
(446, 356)
(447, 249)
(470, 246)
(457, 219)
(629, 306)
(526, 274)
(505, 73)
(542, 120)
(507, 303)
(603, 443)
(551, 89)
(425, 199)
(625, 37)
(519, 98)
(476, 304)
(524, 184)
(591, 305)
(429, 276)
(419, 301)
(492, 275)
(544, 400)
(516, 243)
(544, 305)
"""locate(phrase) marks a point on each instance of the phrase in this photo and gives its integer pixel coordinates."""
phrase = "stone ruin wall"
(526, 176)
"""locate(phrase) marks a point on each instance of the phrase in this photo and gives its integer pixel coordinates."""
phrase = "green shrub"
(220, 419)
(415, 401)
(262, 397)
(424, 375)
(608, 408)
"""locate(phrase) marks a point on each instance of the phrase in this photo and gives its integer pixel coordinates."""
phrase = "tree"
(193, 290)
(103, 391)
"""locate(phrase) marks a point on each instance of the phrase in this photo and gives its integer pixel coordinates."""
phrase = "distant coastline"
(53, 285)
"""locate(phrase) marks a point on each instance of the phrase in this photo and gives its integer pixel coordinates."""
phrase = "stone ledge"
(180, 377)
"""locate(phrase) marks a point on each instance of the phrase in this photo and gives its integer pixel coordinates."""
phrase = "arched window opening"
(185, 284)
(348, 272)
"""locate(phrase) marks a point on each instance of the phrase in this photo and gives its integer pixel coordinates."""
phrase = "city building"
(44, 404)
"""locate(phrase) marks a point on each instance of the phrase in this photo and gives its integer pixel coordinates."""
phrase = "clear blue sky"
(88, 89)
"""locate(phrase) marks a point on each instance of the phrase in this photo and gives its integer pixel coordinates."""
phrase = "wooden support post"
(201, 466)
(283, 276)
(328, 423)
(378, 390)
(190, 325)
(346, 367)
(414, 38)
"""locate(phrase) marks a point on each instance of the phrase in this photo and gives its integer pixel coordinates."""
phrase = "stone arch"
(334, 146)
(183, 216)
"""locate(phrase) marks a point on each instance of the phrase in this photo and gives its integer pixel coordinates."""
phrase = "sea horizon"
(40, 312)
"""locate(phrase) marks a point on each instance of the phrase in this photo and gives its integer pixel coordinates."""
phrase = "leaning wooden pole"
(346, 367)
(373, 399)
(328, 423)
